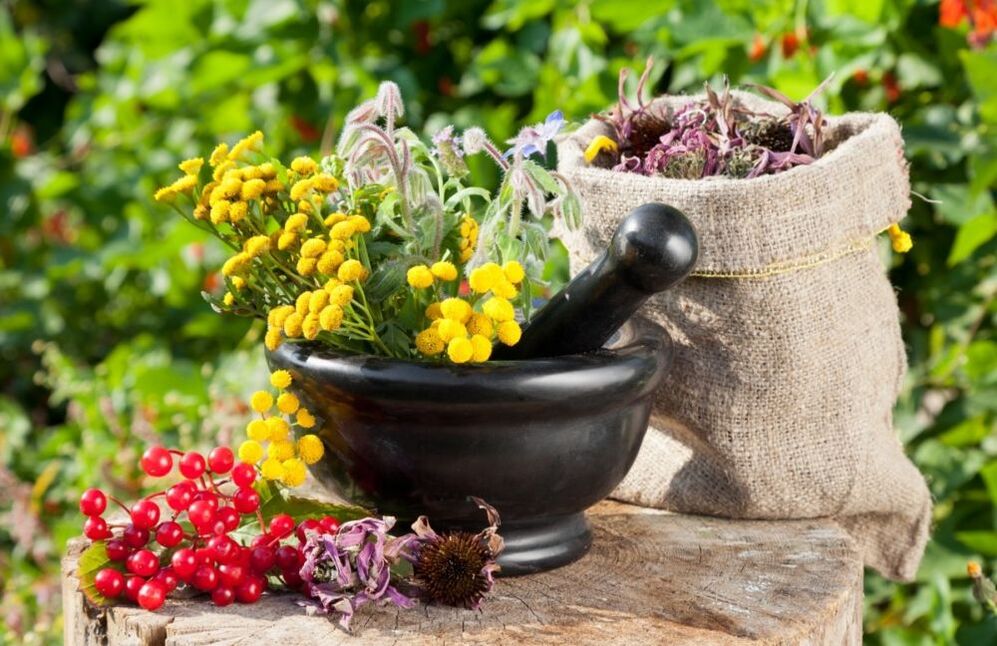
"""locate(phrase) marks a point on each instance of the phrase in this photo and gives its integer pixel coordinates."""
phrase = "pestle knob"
(654, 248)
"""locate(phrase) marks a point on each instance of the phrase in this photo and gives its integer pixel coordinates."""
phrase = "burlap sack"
(788, 349)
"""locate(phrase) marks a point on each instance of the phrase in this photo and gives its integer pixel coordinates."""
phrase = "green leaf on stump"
(93, 559)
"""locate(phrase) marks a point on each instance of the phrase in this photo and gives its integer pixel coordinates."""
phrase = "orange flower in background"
(891, 87)
(861, 77)
(790, 43)
(21, 144)
(305, 130)
(984, 19)
(951, 13)
(757, 50)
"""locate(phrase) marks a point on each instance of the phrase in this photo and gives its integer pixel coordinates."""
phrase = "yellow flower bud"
(484, 277)
(276, 316)
(329, 262)
(236, 264)
(509, 332)
(292, 325)
(229, 299)
(313, 247)
(301, 303)
(333, 219)
(325, 183)
(296, 222)
(504, 288)
(429, 343)
(482, 348)
(219, 211)
(460, 350)
(351, 270)
(304, 165)
(238, 212)
(250, 451)
(342, 230)
(306, 266)
(331, 317)
(261, 401)
(310, 448)
(286, 240)
(295, 473)
(300, 189)
(280, 450)
(360, 223)
(481, 325)
(287, 403)
(272, 469)
(192, 166)
(277, 429)
(331, 284)
(272, 339)
(257, 245)
(251, 143)
(310, 327)
(499, 309)
(449, 329)
(456, 309)
(444, 270)
(253, 189)
(514, 272)
(317, 300)
(257, 430)
(341, 295)
(304, 418)
(218, 155)
(419, 277)
(267, 170)
(434, 311)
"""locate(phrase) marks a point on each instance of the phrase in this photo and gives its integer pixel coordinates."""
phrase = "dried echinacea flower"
(457, 568)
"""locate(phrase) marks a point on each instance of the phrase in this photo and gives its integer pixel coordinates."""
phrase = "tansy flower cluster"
(271, 443)
(381, 247)
(467, 335)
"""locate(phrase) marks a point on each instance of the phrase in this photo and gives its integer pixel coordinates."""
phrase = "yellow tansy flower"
(167, 195)
(331, 317)
(456, 309)
(449, 329)
(300, 189)
(482, 348)
(509, 332)
(318, 300)
(484, 277)
(261, 401)
(479, 324)
(272, 469)
(310, 448)
(341, 295)
(329, 262)
(250, 143)
(325, 183)
(253, 189)
(192, 166)
(514, 272)
(238, 212)
(313, 247)
(419, 277)
(306, 266)
(499, 309)
(304, 165)
(294, 472)
(258, 431)
(434, 311)
(287, 403)
(286, 240)
(444, 270)
(360, 223)
(334, 218)
(228, 299)
(276, 316)
(342, 230)
(278, 429)
(296, 222)
(281, 450)
(292, 325)
(250, 451)
(280, 379)
(218, 155)
(272, 339)
(350, 271)
(257, 245)
(304, 418)
(310, 327)
(504, 288)
(429, 343)
(460, 350)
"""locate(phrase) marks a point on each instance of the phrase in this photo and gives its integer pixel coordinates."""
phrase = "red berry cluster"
(159, 555)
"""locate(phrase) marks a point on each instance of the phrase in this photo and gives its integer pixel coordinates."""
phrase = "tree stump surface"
(650, 577)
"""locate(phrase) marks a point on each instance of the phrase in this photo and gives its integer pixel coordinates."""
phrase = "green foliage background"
(105, 343)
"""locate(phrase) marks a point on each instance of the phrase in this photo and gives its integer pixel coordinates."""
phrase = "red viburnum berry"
(192, 465)
(223, 596)
(151, 595)
(185, 563)
(145, 514)
(230, 575)
(229, 516)
(205, 556)
(143, 563)
(281, 525)
(205, 578)
(201, 512)
(330, 524)
(246, 501)
(168, 578)
(109, 582)
(224, 549)
(262, 558)
(287, 558)
(307, 525)
(117, 550)
(132, 585)
(135, 536)
(169, 534)
(292, 578)
(95, 528)
(250, 590)
(156, 461)
(221, 459)
(180, 495)
(243, 475)
(93, 502)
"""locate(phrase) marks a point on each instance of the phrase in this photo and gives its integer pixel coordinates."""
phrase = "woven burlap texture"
(788, 350)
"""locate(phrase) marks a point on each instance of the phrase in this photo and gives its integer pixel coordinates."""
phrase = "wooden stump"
(651, 577)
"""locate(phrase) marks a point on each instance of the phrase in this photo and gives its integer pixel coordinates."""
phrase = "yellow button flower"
(509, 332)
(192, 166)
(514, 272)
(460, 350)
(257, 245)
(287, 240)
(456, 309)
(350, 271)
(419, 277)
(253, 189)
(313, 247)
(434, 311)
(304, 165)
(281, 450)
(444, 270)
(331, 317)
(277, 429)
(480, 324)
(287, 403)
(449, 329)
(272, 469)
(272, 339)
(499, 309)
(318, 300)
(310, 448)
(292, 325)
(329, 262)
(360, 223)
(341, 295)
(250, 451)
(504, 288)
(484, 277)
(280, 379)
(257, 430)
(294, 472)
(237, 212)
(325, 183)
(296, 222)
(300, 189)
(305, 419)
(333, 219)
(166, 195)
(218, 155)
(342, 230)
(429, 343)
(482, 348)
(267, 170)
(261, 401)
(311, 326)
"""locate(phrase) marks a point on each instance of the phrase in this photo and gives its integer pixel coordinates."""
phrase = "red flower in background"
(861, 77)
(305, 130)
(790, 43)
(951, 13)
(21, 144)
(757, 50)
(981, 14)
(891, 87)
(420, 29)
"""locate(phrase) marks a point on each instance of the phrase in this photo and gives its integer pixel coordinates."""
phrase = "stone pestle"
(653, 248)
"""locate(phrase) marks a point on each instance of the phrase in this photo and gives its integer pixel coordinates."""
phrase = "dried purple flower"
(457, 568)
(348, 569)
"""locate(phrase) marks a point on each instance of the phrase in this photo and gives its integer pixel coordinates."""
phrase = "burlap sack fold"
(788, 349)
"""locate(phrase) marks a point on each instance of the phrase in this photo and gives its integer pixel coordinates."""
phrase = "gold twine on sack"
(900, 241)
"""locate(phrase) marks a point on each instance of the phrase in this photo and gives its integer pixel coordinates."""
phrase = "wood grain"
(651, 577)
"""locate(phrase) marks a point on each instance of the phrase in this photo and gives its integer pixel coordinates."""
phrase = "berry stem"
(120, 504)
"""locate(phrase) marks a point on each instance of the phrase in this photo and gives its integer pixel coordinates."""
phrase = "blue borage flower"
(534, 139)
